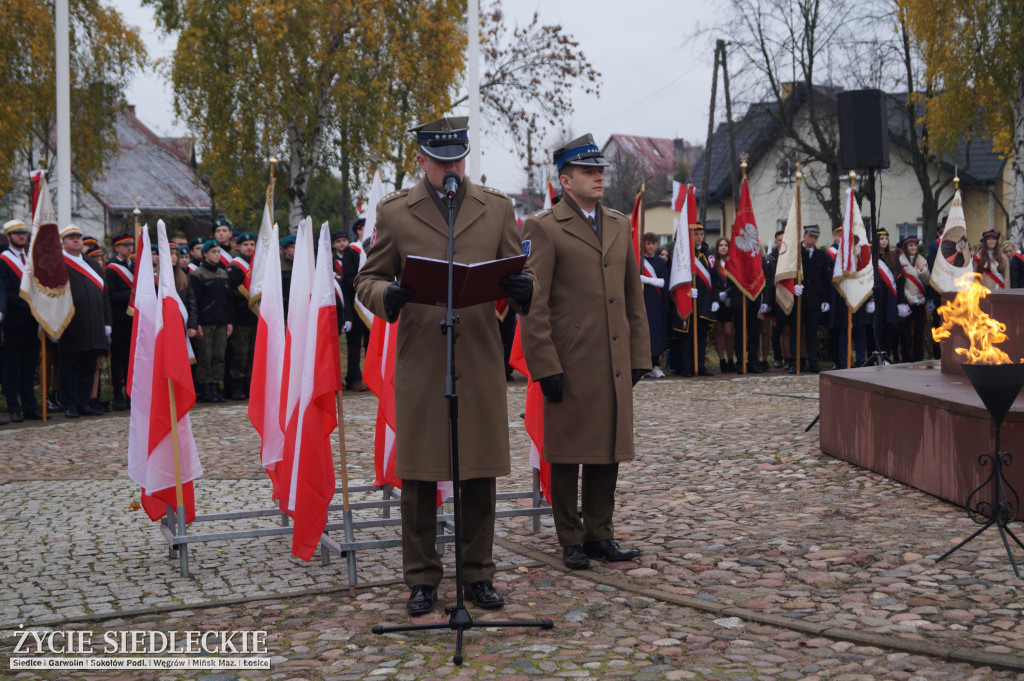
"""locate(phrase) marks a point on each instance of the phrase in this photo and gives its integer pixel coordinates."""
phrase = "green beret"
(154, 247)
(195, 242)
(220, 222)
(288, 241)
(212, 243)
(245, 236)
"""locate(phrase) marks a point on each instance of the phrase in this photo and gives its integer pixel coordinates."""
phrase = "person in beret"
(415, 222)
(242, 343)
(120, 278)
(587, 343)
(210, 321)
(195, 254)
(221, 230)
(18, 327)
(88, 334)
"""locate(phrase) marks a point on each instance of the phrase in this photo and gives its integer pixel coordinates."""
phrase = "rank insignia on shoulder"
(526, 247)
(496, 191)
(541, 213)
(395, 194)
(612, 210)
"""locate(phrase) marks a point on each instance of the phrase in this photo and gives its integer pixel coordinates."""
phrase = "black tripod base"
(459, 621)
(878, 358)
(1004, 532)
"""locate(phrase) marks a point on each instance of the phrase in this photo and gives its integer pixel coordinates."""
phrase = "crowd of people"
(211, 279)
(906, 303)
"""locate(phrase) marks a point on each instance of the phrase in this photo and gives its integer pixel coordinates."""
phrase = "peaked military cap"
(337, 235)
(812, 229)
(71, 230)
(582, 151)
(15, 226)
(444, 140)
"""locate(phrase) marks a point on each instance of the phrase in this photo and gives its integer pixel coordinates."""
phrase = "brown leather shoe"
(359, 387)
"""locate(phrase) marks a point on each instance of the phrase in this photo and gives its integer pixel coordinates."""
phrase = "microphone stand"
(459, 619)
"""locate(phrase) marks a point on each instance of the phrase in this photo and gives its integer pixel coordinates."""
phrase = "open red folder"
(471, 284)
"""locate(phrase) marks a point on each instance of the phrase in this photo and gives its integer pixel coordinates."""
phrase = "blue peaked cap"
(582, 151)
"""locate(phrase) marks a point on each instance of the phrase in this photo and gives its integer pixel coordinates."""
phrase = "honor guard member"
(221, 230)
(681, 330)
(339, 242)
(120, 279)
(210, 319)
(415, 222)
(586, 341)
(87, 335)
(18, 327)
(813, 297)
(242, 342)
(357, 335)
(654, 277)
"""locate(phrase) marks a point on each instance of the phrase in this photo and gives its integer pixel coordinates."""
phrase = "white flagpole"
(63, 114)
(473, 56)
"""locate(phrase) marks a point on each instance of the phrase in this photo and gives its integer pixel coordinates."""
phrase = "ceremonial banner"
(789, 258)
(954, 258)
(268, 369)
(851, 274)
(44, 281)
(298, 313)
(744, 265)
(534, 417)
(307, 469)
(680, 281)
(160, 354)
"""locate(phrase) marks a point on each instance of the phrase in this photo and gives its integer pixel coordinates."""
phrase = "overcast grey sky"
(656, 77)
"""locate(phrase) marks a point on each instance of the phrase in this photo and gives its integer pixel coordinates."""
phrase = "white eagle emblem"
(747, 240)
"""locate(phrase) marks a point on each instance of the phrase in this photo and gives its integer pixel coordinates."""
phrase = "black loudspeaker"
(863, 130)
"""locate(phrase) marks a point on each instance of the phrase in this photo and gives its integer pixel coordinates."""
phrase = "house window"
(909, 229)
(786, 169)
(76, 197)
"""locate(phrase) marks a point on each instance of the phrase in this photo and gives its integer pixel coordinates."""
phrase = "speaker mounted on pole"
(863, 130)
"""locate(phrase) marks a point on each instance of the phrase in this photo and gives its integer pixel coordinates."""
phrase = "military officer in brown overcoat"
(415, 222)
(586, 341)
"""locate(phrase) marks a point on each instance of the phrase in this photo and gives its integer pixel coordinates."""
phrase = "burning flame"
(983, 331)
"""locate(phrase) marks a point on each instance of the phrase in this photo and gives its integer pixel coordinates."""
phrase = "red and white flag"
(306, 473)
(681, 275)
(159, 358)
(266, 246)
(268, 368)
(534, 416)
(549, 193)
(44, 281)
(298, 320)
(744, 265)
(374, 196)
(636, 225)
(789, 254)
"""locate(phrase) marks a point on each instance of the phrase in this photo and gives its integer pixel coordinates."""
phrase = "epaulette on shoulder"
(500, 193)
(541, 213)
(394, 195)
(614, 212)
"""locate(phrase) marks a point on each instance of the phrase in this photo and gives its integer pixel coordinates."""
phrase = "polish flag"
(160, 357)
(534, 416)
(549, 195)
(298, 314)
(681, 274)
(268, 368)
(306, 472)
(266, 246)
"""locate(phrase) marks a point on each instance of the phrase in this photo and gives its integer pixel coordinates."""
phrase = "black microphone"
(451, 184)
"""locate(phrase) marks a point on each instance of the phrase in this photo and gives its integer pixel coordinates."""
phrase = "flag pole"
(42, 369)
(178, 492)
(799, 264)
(849, 310)
(743, 168)
(349, 536)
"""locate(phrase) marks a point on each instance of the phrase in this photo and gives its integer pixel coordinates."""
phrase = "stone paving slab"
(731, 502)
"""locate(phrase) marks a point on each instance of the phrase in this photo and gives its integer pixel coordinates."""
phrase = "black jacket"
(209, 297)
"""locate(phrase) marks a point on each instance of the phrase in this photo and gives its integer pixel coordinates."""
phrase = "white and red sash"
(120, 270)
(649, 272)
(701, 271)
(13, 261)
(192, 267)
(910, 272)
(996, 276)
(240, 262)
(886, 276)
(83, 269)
(225, 258)
(337, 291)
(833, 253)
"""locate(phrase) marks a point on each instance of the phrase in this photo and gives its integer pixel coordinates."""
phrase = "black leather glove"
(395, 296)
(519, 287)
(551, 386)
(637, 375)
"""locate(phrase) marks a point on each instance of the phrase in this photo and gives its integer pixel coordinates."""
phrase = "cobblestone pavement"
(762, 559)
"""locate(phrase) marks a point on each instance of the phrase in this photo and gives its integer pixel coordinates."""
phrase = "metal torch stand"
(459, 619)
(1000, 510)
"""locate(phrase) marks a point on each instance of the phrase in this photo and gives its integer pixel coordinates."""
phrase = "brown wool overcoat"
(410, 223)
(587, 321)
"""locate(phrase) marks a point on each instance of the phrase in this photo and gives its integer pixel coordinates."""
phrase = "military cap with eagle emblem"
(444, 140)
(582, 151)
